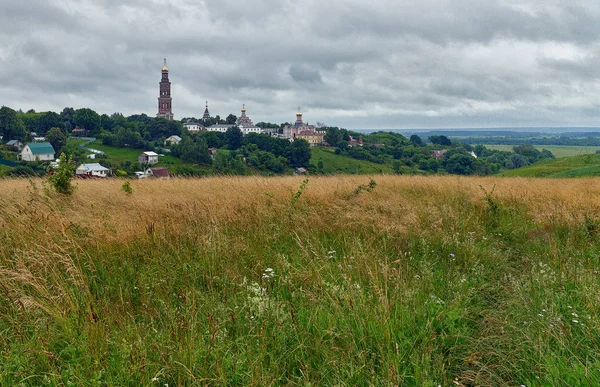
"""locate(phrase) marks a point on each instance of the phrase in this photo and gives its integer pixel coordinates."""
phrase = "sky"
(377, 64)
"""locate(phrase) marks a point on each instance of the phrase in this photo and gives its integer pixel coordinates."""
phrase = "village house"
(438, 154)
(37, 151)
(15, 144)
(172, 140)
(79, 132)
(162, 173)
(93, 169)
(300, 171)
(354, 142)
(148, 158)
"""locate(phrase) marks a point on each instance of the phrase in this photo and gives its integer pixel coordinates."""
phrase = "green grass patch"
(575, 166)
(333, 163)
(76, 141)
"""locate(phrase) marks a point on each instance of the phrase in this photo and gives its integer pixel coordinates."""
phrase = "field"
(344, 164)
(415, 281)
(118, 154)
(557, 150)
(574, 166)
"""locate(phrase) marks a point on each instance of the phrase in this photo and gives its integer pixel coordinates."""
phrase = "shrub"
(61, 178)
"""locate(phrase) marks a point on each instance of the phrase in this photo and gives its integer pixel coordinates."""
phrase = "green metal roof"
(41, 148)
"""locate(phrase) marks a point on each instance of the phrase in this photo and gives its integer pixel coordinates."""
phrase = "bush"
(62, 176)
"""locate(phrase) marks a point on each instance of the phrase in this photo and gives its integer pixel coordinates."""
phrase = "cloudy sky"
(353, 63)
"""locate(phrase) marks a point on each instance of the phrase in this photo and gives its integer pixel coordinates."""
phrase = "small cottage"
(439, 154)
(157, 172)
(172, 140)
(300, 171)
(15, 144)
(148, 158)
(37, 151)
(93, 169)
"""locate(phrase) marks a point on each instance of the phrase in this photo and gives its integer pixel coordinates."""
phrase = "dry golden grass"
(397, 203)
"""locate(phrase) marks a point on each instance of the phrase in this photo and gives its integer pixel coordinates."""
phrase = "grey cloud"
(384, 63)
(305, 73)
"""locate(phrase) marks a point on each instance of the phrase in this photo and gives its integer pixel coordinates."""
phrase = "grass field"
(343, 164)
(119, 154)
(76, 141)
(575, 166)
(557, 150)
(422, 281)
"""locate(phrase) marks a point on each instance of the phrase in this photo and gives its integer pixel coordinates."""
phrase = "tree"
(518, 160)
(333, 136)
(231, 119)
(234, 138)
(440, 140)
(460, 164)
(416, 140)
(11, 126)
(87, 119)
(479, 149)
(48, 121)
(300, 154)
(62, 176)
(57, 139)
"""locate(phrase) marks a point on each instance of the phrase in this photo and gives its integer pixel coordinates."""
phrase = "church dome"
(165, 68)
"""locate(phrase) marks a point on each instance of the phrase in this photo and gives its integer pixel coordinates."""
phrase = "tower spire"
(206, 113)
(164, 98)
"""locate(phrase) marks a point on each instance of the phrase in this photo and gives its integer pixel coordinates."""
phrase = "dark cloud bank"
(376, 64)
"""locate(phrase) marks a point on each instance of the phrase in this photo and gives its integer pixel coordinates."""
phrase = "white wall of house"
(27, 155)
(93, 173)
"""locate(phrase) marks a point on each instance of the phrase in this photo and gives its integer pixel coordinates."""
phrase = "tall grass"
(257, 281)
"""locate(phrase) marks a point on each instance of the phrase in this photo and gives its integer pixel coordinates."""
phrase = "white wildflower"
(268, 273)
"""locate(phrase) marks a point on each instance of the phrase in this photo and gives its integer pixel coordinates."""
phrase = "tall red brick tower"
(164, 100)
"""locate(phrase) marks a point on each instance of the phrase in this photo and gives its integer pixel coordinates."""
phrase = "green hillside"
(575, 166)
(333, 163)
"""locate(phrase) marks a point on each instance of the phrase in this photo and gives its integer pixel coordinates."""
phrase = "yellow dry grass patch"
(106, 213)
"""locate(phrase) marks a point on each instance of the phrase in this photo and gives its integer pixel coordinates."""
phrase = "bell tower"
(164, 99)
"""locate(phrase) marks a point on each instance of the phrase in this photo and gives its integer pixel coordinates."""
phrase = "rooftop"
(41, 148)
(92, 167)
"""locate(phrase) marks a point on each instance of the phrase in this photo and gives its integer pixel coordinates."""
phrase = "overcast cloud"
(354, 63)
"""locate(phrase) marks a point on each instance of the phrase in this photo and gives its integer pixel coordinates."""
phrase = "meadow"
(566, 167)
(334, 164)
(557, 150)
(344, 280)
(120, 154)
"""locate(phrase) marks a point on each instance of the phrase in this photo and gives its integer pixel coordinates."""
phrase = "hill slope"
(575, 166)
(334, 163)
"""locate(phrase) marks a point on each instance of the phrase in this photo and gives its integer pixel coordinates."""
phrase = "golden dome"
(165, 68)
